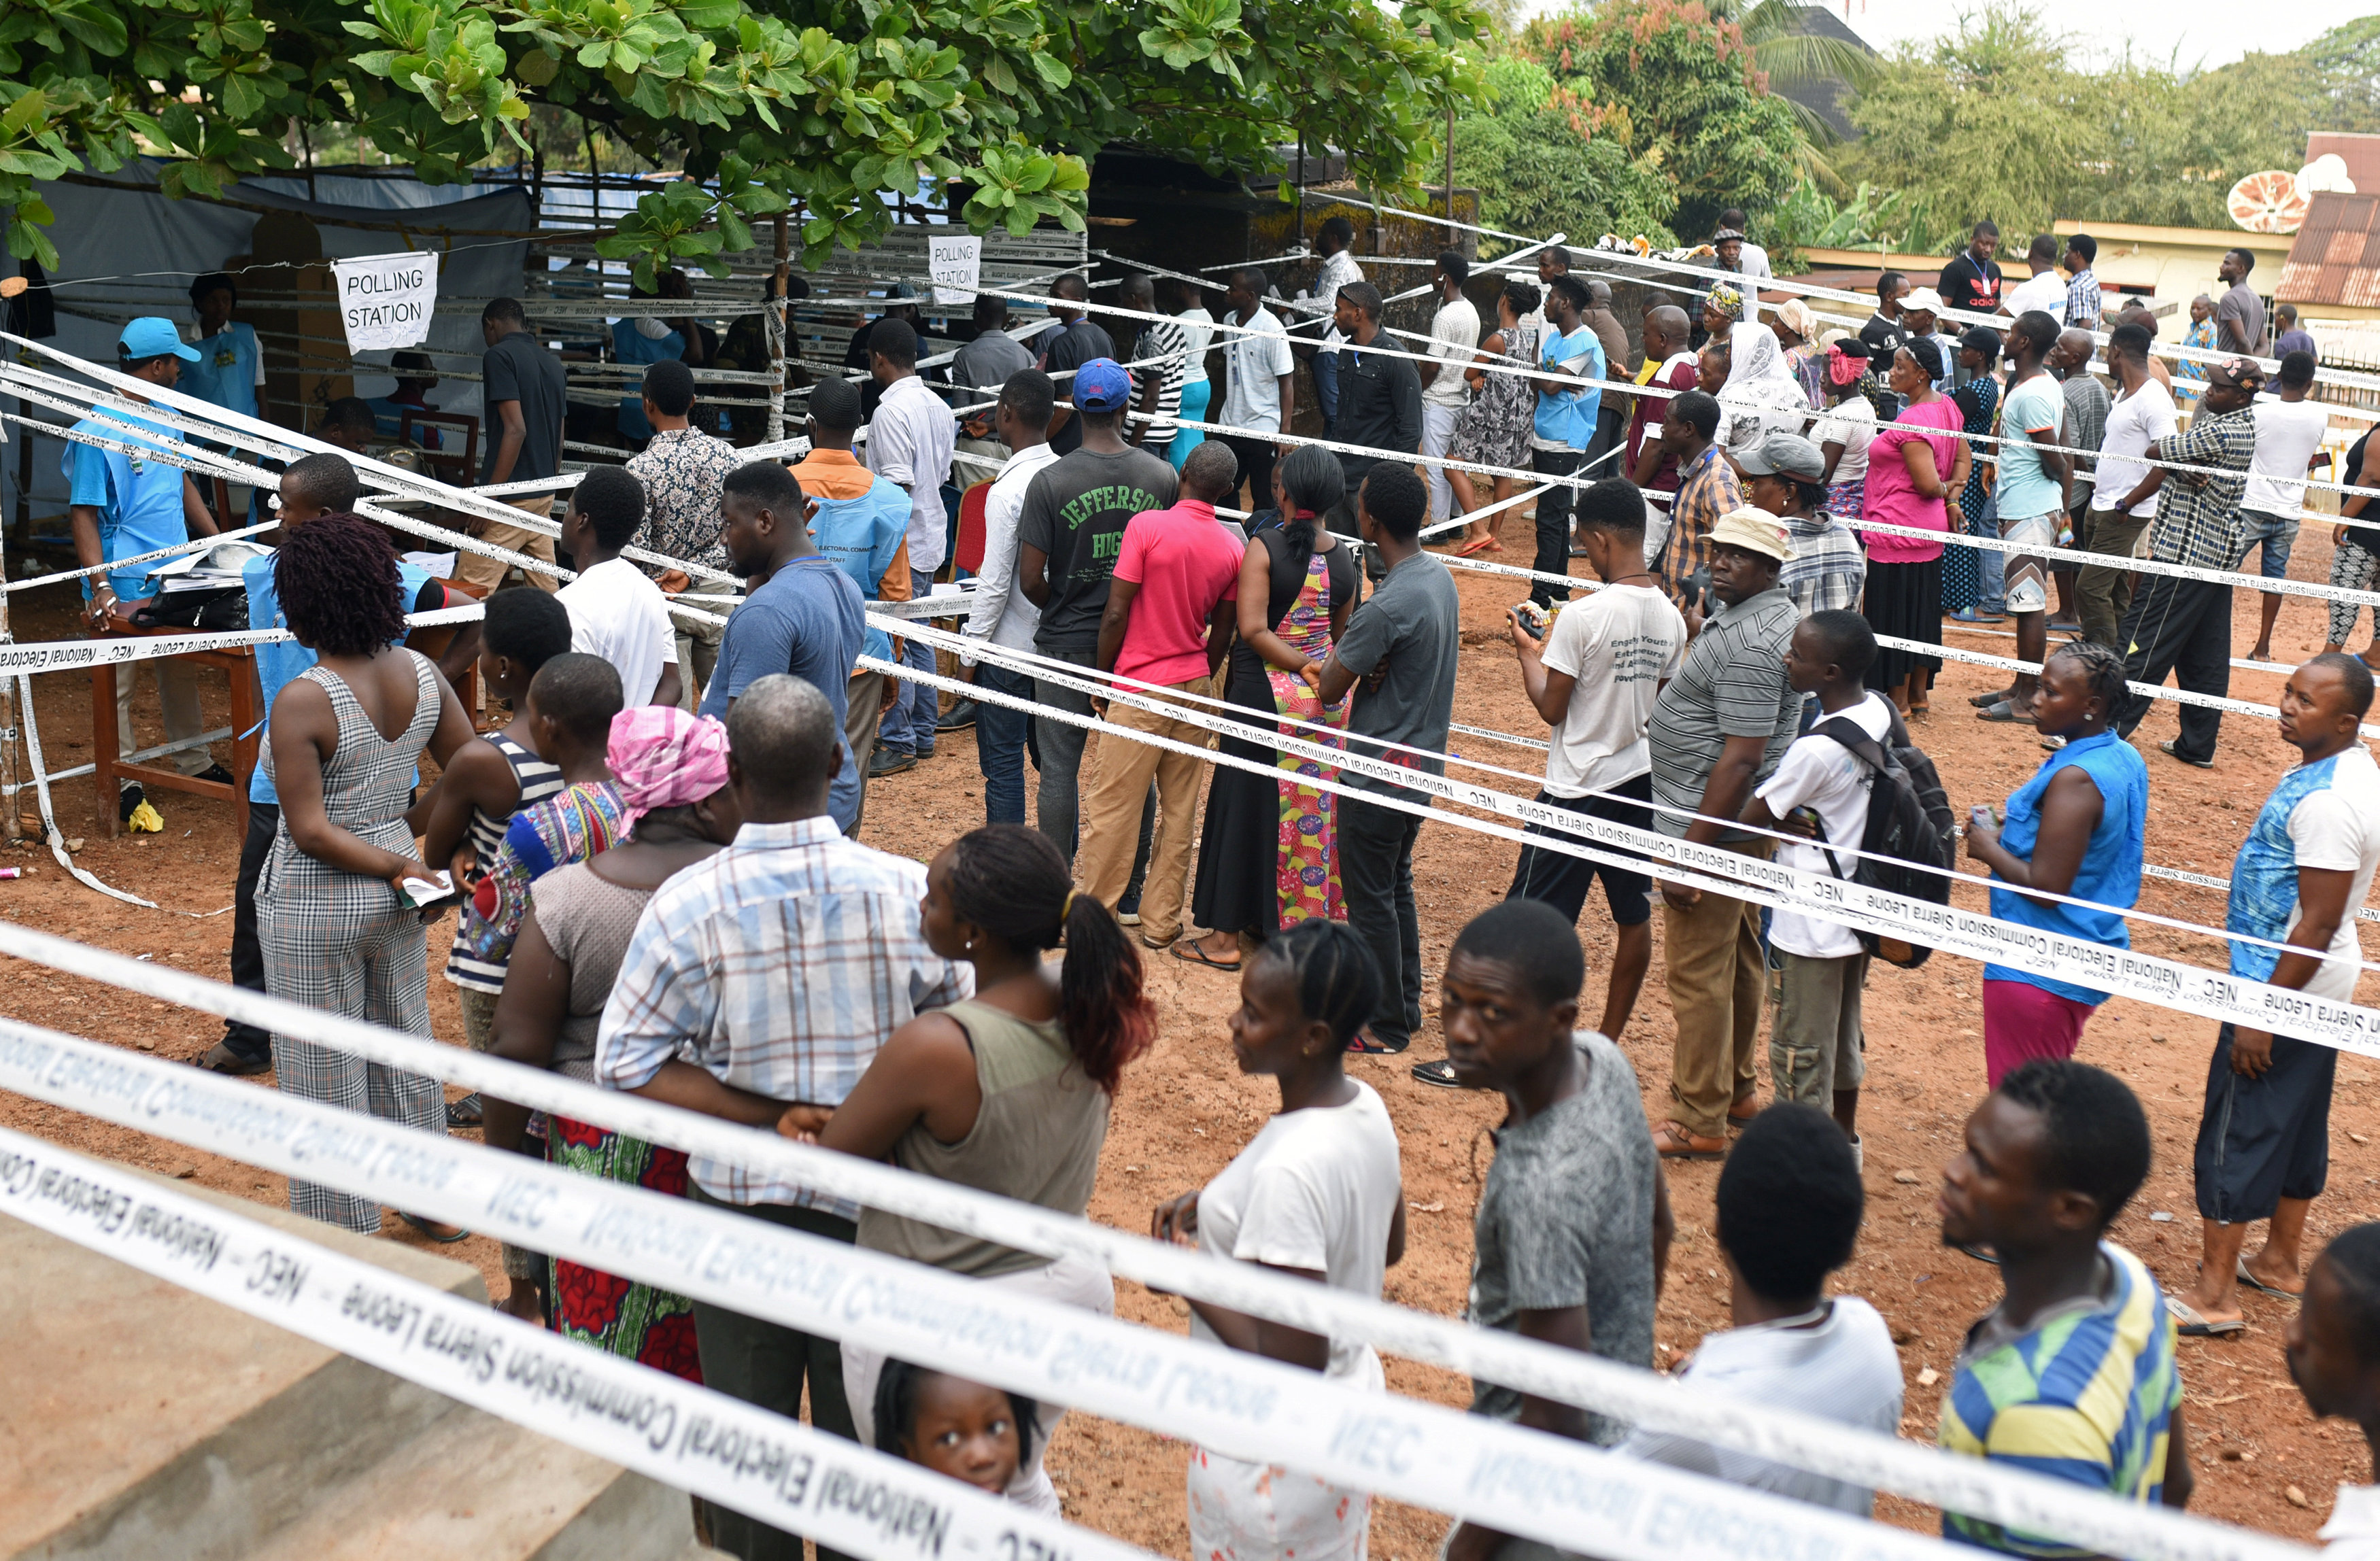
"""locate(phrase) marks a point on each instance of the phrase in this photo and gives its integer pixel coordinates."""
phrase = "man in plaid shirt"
(1707, 487)
(769, 974)
(2184, 626)
(1828, 568)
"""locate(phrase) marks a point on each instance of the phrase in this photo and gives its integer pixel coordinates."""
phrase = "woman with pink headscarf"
(671, 770)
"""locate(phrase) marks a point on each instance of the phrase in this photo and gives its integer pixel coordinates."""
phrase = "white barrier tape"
(2074, 558)
(80, 401)
(67, 655)
(693, 1438)
(1225, 719)
(197, 544)
(2023, 1501)
(198, 460)
(1243, 1404)
(2150, 979)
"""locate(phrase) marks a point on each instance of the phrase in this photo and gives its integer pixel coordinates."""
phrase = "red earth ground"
(1184, 1110)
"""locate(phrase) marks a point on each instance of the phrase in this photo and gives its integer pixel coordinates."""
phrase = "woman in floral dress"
(1494, 430)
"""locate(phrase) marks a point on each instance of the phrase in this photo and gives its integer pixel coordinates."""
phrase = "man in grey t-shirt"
(1717, 730)
(1403, 644)
(2239, 314)
(1574, 1224)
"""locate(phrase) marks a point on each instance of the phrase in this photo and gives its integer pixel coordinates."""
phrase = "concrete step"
(473, 1485)
(143, 1421)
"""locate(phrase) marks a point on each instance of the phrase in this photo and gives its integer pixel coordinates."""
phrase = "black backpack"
(1910, 830)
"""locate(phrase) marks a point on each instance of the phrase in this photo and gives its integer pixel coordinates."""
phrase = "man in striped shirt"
(2073, 1374)
(766, 975)
(1159, 383)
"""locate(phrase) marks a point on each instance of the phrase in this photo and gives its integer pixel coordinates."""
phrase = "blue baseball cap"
(151, 337)
(1102, 386)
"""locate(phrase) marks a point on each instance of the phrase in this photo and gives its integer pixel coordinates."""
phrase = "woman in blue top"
(2075, 828)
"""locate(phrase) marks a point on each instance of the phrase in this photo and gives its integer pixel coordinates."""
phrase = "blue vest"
(862, 536)
(226, 372)
(629, 345)
(2110, 873)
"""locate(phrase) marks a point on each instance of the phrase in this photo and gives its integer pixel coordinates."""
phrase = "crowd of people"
(654, 864)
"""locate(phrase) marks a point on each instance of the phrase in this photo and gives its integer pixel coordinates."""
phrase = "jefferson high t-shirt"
(1075, 512)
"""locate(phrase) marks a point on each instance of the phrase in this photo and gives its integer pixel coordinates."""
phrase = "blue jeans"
(1000, 736)
(1991, 595)
(911, 710)
(1325, 389)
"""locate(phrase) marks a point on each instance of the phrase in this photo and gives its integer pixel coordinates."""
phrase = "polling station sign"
(957, 263)
(386, 300)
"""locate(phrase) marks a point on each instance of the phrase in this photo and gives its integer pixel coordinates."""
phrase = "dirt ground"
(1184, 1111)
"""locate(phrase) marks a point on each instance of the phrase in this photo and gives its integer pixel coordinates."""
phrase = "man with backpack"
(1820, 790)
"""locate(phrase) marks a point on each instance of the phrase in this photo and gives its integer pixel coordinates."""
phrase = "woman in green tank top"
(1008, 1091)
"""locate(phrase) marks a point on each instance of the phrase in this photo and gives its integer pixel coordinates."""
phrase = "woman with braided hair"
(1007, 1092)
(333, 915)
(1318, 1195)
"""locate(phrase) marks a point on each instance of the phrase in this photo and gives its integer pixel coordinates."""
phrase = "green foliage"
(1992, 120)
(1681, 92)
(761, 102)
(1811, 219)
(1539, 170)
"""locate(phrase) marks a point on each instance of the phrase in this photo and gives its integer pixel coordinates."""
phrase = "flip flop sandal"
(1474, 547)
(423, 1226)
(2189, 1325)
(1676, 1144)
(2005, 713)
(1981, 1254)
(1441, 1072)
(464, 1113)
(1986, 701)
(2261, 1288)
(1189, 953)
(1365, 1044)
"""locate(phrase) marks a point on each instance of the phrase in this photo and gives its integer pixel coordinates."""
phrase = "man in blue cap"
(122, 504)
(1068, 537)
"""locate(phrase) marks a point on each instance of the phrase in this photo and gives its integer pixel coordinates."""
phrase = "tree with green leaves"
(1540, 170)
(1680, 91)
(766, 105)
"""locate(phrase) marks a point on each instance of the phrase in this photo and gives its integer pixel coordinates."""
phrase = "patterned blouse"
(682, 470)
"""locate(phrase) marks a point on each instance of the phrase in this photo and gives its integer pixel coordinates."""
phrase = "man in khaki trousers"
(1171, 609)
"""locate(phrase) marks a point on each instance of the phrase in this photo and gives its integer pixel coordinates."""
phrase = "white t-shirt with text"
(2287, 434)
(1842, 1367)
(617, 614)
(1819, 773)
(2045, 292)
(1621, 644)
(1316, 1189)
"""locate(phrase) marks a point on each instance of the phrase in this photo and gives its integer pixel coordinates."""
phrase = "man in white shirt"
(1750, 259)
(1593, 676)
(2142, 413)
(1453, 340)
(1002, 614)
(1338, 268)
(2045, 289)
(1788, 1211)
(615, 613)
(1819, 790)
(2263, 1143)
(2289, 428)
(910, 437)
(1259, 382)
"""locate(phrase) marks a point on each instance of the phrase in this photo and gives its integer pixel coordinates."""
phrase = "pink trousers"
(2022, 1021)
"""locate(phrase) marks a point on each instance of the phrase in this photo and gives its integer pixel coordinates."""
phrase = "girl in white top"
(1317, 1194)
(1198, 329)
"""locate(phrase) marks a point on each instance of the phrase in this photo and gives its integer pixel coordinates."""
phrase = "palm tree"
(1797, 61)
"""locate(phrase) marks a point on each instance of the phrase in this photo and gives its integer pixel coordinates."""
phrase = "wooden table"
(109, 768)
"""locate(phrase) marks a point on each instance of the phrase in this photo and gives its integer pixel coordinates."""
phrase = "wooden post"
(776, 323)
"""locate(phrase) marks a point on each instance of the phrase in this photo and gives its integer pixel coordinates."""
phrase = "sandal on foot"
(424, 1227)
(1365, 1044)
(1986, 701)
(2172, 751)
(2006, 713)
(1676, 1144)
(1476, 546)
(464, 1113)
(2188, 1322)
(220, 1059)
(1441, 1072)
(2261, 1288)
(1190, 952)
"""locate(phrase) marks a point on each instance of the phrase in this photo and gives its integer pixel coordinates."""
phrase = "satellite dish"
(2268, 202)
(2326, 173)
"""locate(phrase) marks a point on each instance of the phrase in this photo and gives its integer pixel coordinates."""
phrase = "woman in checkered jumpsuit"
(336, 935)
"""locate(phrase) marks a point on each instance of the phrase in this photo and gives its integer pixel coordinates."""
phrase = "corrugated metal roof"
(2337, 257)
(2360, 154)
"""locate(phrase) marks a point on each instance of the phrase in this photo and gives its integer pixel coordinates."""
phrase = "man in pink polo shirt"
(1171, 612)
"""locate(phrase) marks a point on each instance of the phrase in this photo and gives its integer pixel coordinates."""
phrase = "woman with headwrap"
(670, 769)
(1797, 332)
(1722, 311)
(1761, 396)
